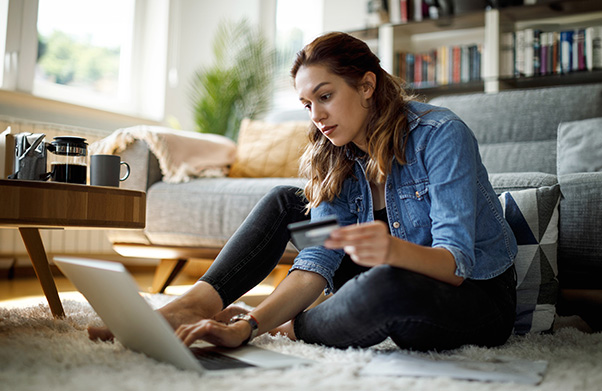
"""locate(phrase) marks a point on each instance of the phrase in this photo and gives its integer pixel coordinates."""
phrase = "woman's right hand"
(217, 333)
(104, 334)
(228, 312)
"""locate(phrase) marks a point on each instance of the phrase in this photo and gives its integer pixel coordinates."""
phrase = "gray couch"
(518, 132)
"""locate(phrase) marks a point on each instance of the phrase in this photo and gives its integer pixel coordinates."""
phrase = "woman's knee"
(285, 195)
(289, 200)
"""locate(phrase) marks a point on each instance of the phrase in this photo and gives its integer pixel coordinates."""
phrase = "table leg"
(166, 272)
(37, 254)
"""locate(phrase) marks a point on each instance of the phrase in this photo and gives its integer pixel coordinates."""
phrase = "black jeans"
(370, 304)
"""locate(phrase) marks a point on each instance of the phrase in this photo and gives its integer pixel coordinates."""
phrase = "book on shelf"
(507, 55)
(403, 11)
(537, 52)
(593, 45)
(441, 66)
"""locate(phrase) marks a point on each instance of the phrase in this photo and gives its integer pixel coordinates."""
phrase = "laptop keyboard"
(212, 360)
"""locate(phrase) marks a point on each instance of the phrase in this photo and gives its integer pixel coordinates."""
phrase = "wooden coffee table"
(32, 205)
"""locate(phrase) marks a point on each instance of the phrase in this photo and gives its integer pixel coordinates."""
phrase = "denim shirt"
(441, 197)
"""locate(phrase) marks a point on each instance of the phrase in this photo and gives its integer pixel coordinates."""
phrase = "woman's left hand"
(367, 244)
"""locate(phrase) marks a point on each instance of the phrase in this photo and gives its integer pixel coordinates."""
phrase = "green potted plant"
(239, 83)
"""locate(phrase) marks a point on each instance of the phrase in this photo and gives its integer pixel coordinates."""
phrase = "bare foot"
(99, 334)
(287, 329)
(200, 302)
(104, 334)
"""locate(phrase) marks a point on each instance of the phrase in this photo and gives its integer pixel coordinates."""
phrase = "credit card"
(312, 233)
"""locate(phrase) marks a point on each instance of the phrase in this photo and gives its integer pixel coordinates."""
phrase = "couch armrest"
(144, 167)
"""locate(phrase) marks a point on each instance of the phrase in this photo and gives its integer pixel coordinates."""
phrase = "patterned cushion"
(533, 217)
(267, 149)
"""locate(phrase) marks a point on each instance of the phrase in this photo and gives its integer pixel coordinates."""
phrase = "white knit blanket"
(182, 155)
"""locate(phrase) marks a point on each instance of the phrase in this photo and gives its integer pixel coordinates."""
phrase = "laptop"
(114, 295)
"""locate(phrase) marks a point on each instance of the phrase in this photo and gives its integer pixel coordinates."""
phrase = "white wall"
(198, 20)
(345, 15)
(192, 27)
(196, 23)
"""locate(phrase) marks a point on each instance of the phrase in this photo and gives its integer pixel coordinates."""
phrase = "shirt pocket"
(415, 204)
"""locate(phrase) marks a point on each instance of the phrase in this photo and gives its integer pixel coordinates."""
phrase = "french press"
(67, 159)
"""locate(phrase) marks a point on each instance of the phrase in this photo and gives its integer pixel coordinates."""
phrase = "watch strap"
(251, 320)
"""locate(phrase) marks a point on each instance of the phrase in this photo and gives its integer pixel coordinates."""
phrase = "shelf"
(488, 29)
(454, 22)
(582, 77)
(551, 9)
(367, 34)
(459, 88)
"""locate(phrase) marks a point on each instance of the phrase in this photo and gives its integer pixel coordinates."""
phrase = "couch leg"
(166, 272)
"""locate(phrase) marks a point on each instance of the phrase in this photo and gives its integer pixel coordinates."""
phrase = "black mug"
(105, 170)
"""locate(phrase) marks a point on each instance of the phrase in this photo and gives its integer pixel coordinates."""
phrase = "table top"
(53, 204)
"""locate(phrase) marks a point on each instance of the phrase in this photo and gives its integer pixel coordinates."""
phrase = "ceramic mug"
(105, 170)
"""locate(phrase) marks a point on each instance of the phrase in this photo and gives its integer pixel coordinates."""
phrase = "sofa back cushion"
(517, 129)
(580, 146)
(269, 149)
(580, 236)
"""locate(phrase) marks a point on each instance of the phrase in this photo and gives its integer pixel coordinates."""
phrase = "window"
(84, 51)
(3, 18)
(105, 54)
(297, 24)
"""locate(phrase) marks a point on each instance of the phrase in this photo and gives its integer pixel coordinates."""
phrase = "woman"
(424, 256)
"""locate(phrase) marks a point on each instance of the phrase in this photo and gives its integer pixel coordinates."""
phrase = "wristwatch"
(252, 322)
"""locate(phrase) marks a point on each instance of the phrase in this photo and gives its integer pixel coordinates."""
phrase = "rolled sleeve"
(321, 261)
(463, 262)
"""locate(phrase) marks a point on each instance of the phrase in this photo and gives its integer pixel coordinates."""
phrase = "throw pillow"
(268, 149)
(579, 146)
(533, 216)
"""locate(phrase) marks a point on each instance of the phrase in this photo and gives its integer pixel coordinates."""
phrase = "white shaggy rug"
(38, 352)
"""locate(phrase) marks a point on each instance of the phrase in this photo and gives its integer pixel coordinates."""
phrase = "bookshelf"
(493, 33)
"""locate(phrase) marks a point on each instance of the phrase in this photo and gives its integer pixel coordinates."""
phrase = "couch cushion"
(533, 217)
(517, 157)
(580, 238)
(204, 212)
(580, 146)
(519, 181)
(268, 149)
(524, 116)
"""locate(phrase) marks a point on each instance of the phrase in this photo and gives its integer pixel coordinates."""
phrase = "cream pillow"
(267, 149)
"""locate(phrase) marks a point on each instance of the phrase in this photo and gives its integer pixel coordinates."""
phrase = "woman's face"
(338, 110)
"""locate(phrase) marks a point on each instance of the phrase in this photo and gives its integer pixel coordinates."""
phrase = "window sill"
(26, 106)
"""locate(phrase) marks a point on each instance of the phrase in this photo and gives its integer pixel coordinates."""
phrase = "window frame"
(145, 95)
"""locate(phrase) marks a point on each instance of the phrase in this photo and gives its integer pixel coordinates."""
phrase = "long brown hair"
(325, 165)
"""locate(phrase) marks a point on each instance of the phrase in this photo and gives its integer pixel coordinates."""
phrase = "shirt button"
(396, 224)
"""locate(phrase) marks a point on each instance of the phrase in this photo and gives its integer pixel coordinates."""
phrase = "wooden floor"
(27, 286)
